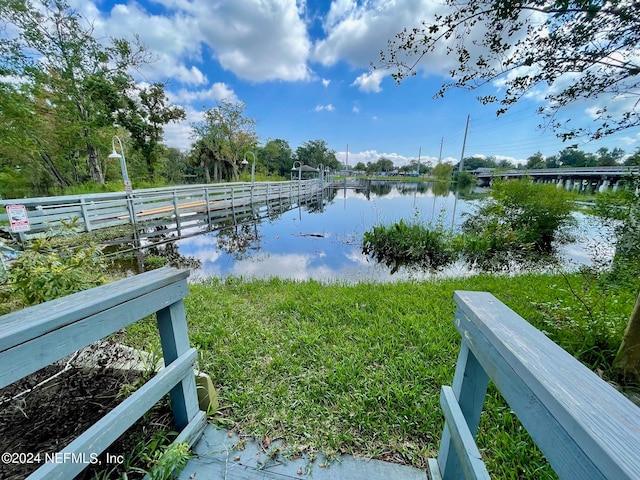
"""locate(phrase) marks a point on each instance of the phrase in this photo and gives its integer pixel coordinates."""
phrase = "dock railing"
(177, 204)
(585, 428)
(35, 337)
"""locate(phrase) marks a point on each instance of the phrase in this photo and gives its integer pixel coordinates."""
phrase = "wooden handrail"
(40, 335)
(585, 428)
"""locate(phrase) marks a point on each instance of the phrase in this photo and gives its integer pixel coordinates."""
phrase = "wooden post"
(172, 324)
(134, 223)
(176, 210)
(470, 387)
(206, 199)
(85, 215)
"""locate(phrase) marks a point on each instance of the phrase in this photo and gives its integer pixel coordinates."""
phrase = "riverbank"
(358, 368)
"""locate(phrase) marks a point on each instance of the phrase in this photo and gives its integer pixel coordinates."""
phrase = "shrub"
(42, 273)
(409, 244)
(522, 216)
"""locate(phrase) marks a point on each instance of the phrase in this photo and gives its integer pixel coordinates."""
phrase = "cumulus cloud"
(370, 82)
(218, 91)
(320, 108)
(356, 32)
(260, 41)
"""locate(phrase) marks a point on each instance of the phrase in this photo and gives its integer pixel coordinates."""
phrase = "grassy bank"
(358, 368)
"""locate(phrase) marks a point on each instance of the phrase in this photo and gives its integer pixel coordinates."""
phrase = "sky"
(303, 70)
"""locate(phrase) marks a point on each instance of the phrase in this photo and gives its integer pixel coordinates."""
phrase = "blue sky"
(302, 68)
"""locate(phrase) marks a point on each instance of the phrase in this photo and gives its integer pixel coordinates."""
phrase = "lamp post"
(123, 163)
(253, 166)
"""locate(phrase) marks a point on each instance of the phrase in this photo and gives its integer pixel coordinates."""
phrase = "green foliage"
(221, 140)
(464, 179)
(316, 152)
(443, 171)
(520, 222)
(42, 272)
(504, 40)
(520, 216)
(277, 156)
(409, 244)
(165, 463)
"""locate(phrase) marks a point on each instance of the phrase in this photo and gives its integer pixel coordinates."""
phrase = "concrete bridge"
(577, 178)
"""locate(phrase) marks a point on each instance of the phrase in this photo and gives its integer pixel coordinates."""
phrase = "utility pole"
(440, 157)
(464, 143)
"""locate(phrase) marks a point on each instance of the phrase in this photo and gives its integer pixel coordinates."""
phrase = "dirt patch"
(44, 412)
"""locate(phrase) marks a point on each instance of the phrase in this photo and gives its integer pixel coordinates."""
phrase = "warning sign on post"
(18, 218)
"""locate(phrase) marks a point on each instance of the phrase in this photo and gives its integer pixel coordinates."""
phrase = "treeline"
(569, 157)
(64, 95)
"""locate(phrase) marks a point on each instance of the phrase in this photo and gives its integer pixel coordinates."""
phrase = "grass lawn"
(358, 368)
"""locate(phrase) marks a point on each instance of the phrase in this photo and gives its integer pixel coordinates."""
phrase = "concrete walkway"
(221, 456)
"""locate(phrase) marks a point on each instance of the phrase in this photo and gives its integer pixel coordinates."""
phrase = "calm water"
(324, 242)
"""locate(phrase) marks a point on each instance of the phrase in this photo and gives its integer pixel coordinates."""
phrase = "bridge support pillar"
(568, 184)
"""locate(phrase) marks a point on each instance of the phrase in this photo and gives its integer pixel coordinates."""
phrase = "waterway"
(324, 241)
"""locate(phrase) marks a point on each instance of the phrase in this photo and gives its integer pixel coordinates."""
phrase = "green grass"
(358, 368)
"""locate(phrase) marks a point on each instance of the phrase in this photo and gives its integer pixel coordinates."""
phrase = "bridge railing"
(35, 337)
(617, 171)
(96, 211)
(585, 428)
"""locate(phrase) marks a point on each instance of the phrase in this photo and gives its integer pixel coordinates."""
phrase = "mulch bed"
(39, 418)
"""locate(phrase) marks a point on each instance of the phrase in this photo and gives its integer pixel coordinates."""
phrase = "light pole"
(123, 163)
(253, 166)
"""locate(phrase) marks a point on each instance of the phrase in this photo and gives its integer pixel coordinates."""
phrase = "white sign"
(18, 218)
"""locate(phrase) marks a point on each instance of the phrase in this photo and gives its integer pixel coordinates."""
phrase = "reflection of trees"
(239, 240)
(381, 188)
(170, 252)
(440, 189)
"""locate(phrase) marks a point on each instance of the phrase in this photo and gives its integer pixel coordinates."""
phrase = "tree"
(360, 167)
(383, 165)
(443, 171)
(52, 50)
(536, 160)
(609, 158)
(277, 156)
(569, 50)
(222, 138)
(144, 114)
(634, 159)
(316, 152)
(472, 163)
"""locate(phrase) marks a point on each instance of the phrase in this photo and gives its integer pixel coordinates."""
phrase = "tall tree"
(316, 152)
(277, 156)
(222, 138)
(52, 48)
(144, 113)
(569, 50)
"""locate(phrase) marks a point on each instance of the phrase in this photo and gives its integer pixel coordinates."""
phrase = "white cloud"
(328, 108)
(217, 91)
(258, 41)
(356, 32)
(370, 82)
(325, 82)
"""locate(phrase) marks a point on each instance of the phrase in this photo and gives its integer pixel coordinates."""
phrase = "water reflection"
(322, 240)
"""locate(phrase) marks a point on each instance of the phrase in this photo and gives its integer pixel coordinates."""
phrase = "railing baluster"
(470, 383)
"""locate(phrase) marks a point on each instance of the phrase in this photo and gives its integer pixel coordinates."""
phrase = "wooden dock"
(162, 212)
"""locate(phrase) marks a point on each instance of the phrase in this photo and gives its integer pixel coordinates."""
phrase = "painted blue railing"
(35, 337)
(585, 428)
